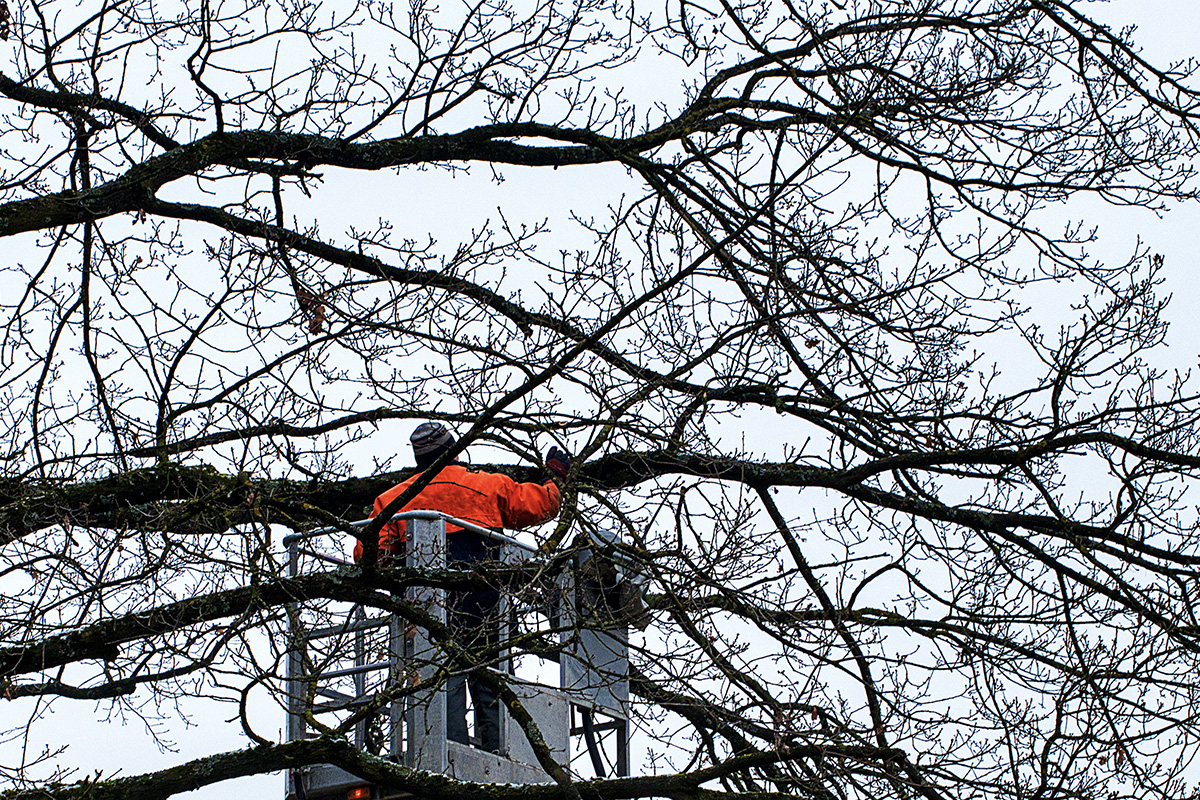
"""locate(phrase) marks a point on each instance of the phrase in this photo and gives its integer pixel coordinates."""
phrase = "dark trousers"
(487, 712)
(473, 620)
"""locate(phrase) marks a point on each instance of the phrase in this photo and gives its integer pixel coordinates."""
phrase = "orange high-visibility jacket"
(488, 499)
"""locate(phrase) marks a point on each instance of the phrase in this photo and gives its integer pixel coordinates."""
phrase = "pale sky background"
(1167, 31)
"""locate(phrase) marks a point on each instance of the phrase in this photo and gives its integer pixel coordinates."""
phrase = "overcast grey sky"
(432, 201)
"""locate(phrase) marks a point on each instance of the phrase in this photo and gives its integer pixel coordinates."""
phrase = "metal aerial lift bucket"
(342, 659)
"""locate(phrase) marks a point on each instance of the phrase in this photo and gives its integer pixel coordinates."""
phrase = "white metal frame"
(593, 676)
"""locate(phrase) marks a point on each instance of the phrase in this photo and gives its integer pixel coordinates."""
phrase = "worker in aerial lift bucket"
(489, 500)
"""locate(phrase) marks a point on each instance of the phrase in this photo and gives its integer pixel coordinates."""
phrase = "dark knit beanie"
(429, 441)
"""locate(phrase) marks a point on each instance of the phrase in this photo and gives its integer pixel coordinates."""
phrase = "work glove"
(558, 463)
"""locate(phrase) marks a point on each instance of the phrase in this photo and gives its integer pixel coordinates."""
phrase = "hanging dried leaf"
(312, 308)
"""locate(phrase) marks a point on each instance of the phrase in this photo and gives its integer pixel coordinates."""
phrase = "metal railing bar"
(321, 633)
(342, 673)
(291, 539)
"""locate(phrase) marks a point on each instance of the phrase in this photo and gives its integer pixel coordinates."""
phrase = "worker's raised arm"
(526, 504)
